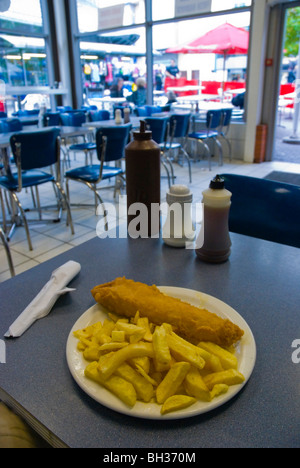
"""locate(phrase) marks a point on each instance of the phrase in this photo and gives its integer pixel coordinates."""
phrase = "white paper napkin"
(45, 300)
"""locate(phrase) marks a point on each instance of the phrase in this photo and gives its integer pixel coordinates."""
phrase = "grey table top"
(260, 281)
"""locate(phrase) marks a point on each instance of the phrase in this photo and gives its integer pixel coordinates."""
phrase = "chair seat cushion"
(29, 179)
(91, 173)
(203, 135)
(83, 147)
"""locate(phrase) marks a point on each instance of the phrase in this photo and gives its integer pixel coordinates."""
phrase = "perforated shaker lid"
(180, 194)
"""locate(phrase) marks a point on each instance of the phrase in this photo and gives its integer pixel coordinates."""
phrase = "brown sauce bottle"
(143, 183)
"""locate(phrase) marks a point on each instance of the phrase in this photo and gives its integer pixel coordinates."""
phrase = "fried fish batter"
(125, 297)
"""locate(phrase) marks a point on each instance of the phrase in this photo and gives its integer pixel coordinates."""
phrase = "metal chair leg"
(8, 253)
(18, 203)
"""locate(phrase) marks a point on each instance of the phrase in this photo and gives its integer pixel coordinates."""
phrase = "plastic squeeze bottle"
(213, 244)
(142, 157)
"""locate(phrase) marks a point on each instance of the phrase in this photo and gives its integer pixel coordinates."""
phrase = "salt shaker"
(179, 228)
(213, 244)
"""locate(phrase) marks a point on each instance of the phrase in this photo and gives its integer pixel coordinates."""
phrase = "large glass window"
(167, 9)
(112, 48)
(96, 15)
(24, 53)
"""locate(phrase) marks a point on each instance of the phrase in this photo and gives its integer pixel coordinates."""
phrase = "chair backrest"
(98, 115)
(37, 149)
(74, 119)
(51, 119)
(264, 209)
(26, 112)
(141, 111)
(226, 117)
(3, 115)
(213, 119)
(116, 140)
(11, 125)
(152, 110)
(179, 125)
(63, 108)
(158, 127)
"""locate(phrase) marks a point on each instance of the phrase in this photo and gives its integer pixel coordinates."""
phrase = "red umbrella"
(225, 40)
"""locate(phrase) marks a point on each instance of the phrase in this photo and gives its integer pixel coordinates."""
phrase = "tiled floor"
(53, 239)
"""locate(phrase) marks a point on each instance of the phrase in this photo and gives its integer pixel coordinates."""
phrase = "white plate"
(245, 352)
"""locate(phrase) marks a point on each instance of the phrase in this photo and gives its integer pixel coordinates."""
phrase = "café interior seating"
(10, 125)
(159, 127)
(224, 129)
(110, 145)
(210, 134)
(264, 209)
(177, 139)
(33, 153)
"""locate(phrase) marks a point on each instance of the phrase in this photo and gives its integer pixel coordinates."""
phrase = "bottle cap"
(217, 183)
(142, 134)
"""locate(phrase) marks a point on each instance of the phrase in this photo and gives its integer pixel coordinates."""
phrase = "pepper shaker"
(179, 228)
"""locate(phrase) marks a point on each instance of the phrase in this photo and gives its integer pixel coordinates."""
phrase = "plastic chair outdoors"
(264, 209)
(10, 125)
(111, 142)
(32, 152)
(159, 127)
(179, 127)
(99, 115)
(213, 123)
(224, 128)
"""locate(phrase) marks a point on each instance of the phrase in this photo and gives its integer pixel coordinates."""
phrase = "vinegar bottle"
(142, 157)
(213, 244)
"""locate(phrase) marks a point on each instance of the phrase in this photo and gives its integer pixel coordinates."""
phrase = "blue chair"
(141, 112)
(10, 125)
(159, 127)
(51, 119)
(26, 113)
(110, 142)
(264, 209)
(177, 139)
(224, 128)
(213, 124)
(63, 108)
(3, 115)
(72, 119)
(99, 115)
(32, 152)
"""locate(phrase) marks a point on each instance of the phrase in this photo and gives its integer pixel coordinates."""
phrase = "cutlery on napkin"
(46, 298)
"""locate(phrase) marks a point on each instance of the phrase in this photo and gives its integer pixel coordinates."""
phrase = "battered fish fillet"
(125, 297)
